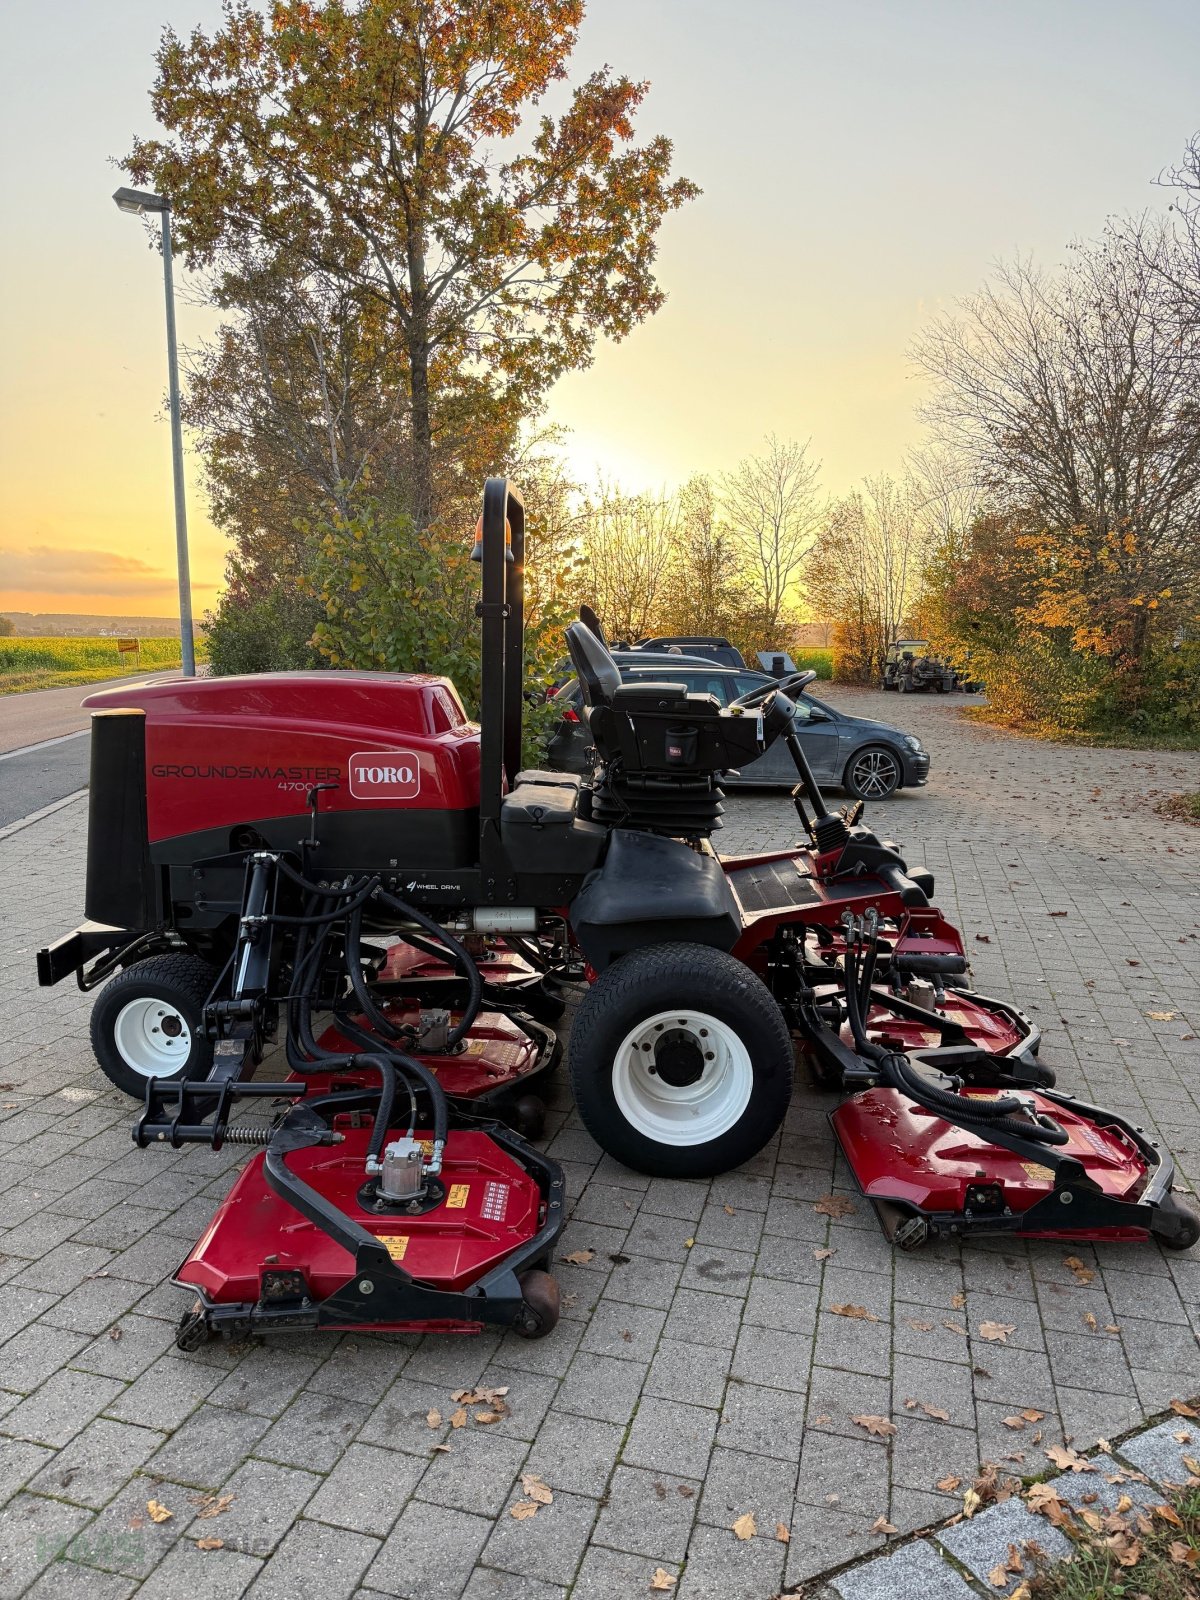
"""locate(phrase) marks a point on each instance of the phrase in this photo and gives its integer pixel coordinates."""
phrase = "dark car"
(871, 760)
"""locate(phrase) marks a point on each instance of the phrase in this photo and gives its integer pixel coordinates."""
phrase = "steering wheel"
(794, 682)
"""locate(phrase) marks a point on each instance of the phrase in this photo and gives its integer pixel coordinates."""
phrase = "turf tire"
(184, 982)
(688, 977)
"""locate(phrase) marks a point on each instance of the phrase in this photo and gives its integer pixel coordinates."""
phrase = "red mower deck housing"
(491, 1207)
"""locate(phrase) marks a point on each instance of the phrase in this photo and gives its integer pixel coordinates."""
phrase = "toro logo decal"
(385, 775)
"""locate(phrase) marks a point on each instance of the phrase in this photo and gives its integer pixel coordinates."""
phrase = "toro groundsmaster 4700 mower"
(267, 852)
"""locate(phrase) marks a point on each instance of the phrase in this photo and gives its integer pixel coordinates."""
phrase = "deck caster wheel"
(527, 1116)
(539, 1314)
(193, 1331)
(1035, 1074)
(1176, 1224)
(543, 1002)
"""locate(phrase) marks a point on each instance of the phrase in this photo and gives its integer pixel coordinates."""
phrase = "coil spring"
(248, 1133)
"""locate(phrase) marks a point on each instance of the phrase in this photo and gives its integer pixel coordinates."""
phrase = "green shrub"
(267, 630)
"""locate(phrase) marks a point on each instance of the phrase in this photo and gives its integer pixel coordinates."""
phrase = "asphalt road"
(44, 746)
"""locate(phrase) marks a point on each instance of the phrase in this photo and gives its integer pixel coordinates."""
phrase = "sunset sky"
(862, 164)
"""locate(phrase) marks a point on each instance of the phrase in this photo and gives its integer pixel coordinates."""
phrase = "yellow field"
(60, 663)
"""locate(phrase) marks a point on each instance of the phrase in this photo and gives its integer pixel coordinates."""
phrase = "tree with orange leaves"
(387, 145)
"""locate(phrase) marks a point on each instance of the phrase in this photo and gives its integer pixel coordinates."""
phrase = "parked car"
(709, 646)
(869, 759)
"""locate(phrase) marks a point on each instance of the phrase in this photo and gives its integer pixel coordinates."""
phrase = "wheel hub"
(678, 1058)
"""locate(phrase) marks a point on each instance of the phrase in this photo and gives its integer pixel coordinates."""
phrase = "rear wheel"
(680, 1061)
(873, 773)
(147, 1022)
(1176, 1224)
(540, 1312)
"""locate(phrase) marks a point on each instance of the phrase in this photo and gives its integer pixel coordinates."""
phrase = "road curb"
(46, 811)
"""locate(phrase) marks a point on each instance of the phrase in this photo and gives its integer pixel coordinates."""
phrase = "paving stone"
(203, 1574)
(124, 1538)
(923, 1452)
(399, 1420)
(210, 1445)
(671, 1437)
(737, 1482)
(477, 1472)
(575, 1453)
(313, 1432)
(67, 1580)
(703, 1318)
(140, 1343)
(1159, 1454)
(612, 1574)
(20, 1460)
(773, 1357)
(266, 1381)
(429, 1554)
(825, 1536)
(267, 1499)
(549, 1544)
(316, 1562)
(367, 1489)
(982, 1543)
(626, 1331)
(97, 1463)
(762, 1421)
(722, 1567)
(648, 1514)
(529, 1398)
(721, 1271)
(488, 1584)
(63, 1405)
(835, 1397)
(855, 1470)
(33, 1533)
(644, 1281)
(691, 1373)
(601, 1387)
(32, 1355)
(913, 1569)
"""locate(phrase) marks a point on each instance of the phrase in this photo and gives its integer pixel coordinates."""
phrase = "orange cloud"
(46, 570)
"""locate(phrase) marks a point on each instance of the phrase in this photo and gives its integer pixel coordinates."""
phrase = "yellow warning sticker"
(1037, 1172)
(457, 1198)
(394, 1243)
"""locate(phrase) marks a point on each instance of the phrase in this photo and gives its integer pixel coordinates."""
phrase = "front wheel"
(873, 773)
(680, 1061)
(148, 1022)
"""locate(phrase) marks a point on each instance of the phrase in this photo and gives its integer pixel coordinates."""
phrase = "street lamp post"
(138, 203)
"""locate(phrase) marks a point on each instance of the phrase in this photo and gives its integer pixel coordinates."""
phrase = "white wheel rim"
(875, 773)
(687, 1114)
(152, 1037)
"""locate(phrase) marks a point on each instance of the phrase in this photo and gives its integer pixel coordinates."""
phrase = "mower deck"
(911, 1163)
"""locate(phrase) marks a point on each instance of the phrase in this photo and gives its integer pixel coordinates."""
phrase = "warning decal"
(394, 1243)
(457, 1198)
(495, 1201)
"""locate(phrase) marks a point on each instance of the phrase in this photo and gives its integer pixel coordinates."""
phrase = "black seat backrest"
(599, 676)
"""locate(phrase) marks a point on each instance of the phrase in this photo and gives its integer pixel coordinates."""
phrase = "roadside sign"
(129, 647)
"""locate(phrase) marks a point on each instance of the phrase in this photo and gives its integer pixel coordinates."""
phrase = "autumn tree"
(1074, 398)
(628, 545)
(772, 507)
(705, 590)
(866, 568)
(391, 146)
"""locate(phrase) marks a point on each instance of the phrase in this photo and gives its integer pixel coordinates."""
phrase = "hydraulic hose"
(999, 1115)
(460, 956)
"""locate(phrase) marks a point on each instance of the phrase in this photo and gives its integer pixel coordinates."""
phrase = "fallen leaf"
(835, 1205)
(115, 1333)
(688, 1243)
(1162, 1016)
(662, 1579)
(1031, 1415)
(998, 1577)
(859, 1312)
(213, 1505)
(578, 1258)
(972, 1500)
(1014, 1564)
(935, 1412)
(1089, 1320)
(484, 1417)
(882, 1525)
(524, 1509)
(210, 1544)
(458, 1419)
(823, 1253)
(1168, 1514)
(745, 1527)
(1064, 1457)
(442, 1449)
(783, 1533)
(1192, 1465)
(1127, 1551)
(948, 1484)
(954, 1327)
(1181, 1409)
(958, 1301)
(1083, 1273)
(158, 1512)
(921, 1327)
(1184, 1555)
(880, 1427)
(1016, 1423)
(730, 1212)
(686, 1491)
(433, 1417)
(536, 1489)
(997, 1332)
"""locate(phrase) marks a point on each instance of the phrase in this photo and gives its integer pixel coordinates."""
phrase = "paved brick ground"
(685, 1386)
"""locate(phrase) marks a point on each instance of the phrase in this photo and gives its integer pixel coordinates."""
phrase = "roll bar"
(501, 610)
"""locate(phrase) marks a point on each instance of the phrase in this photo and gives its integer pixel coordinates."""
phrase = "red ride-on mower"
(268, 852)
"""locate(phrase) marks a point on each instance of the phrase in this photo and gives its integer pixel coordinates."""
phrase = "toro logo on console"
(385, 775)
